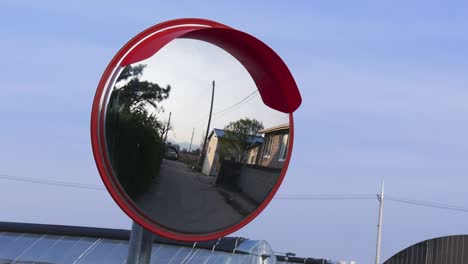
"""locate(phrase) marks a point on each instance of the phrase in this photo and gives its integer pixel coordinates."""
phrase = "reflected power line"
(230, 108)
(236, 104)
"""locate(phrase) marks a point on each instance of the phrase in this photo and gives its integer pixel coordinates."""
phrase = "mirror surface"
(156, 124)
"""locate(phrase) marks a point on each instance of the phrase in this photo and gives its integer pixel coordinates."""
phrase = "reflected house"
(273, 152)
(214, 154)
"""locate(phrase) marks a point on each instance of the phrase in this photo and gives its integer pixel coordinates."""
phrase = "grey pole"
(379, 226)
(200, 164)
(167, 128)
(191, 140)
(141, 242)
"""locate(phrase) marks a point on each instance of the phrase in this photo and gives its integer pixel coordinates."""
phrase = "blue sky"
(384, 89)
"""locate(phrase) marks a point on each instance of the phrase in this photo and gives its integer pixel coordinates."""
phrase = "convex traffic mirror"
(192, 128)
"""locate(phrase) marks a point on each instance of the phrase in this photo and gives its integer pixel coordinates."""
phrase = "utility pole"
(200, 164)
(191, 140)
(167, 127)
(380, 198)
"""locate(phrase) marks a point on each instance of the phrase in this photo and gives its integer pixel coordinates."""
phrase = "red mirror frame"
(274, 81)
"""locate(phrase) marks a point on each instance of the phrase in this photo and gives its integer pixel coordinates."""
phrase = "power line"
(50, 182)
(427, 204)
(330, 195)
(278, 196)
(324, 196)
(369, 196)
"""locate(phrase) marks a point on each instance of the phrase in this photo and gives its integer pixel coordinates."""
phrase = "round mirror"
(185, 141)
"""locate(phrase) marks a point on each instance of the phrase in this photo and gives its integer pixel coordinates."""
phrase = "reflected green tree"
(239, 137)
(133, 130)
(132, 93)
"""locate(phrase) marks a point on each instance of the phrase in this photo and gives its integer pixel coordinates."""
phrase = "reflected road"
(187, 201)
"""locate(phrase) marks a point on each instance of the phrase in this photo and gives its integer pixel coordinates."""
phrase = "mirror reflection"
(190, 140)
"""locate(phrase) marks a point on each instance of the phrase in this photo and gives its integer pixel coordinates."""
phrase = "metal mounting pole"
(141, 242)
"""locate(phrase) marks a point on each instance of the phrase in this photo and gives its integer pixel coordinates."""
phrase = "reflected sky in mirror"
(190, 66)
(184, 176)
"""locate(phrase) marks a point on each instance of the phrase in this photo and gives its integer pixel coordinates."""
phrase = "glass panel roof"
(53, 244)
(45, 249)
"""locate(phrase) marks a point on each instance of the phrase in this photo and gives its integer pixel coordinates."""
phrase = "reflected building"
(273, 152)
(249, 165)
(218, 150)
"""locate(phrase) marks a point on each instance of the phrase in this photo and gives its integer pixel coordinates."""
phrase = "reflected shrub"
(135, 148)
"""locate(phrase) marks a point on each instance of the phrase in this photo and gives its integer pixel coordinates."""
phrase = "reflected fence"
(254, 182)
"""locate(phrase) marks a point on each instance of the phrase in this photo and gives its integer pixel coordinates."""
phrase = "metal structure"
(441, 250)
(46, 244)
(141, 242)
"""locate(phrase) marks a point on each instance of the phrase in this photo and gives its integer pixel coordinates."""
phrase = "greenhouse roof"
(42, 244)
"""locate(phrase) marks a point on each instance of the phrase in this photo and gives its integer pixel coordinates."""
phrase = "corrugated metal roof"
(441, 250)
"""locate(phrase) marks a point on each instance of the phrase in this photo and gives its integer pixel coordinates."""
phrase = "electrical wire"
(369, 196)
(324, 196)
(427, 204)
(50, 182)
(278, 196)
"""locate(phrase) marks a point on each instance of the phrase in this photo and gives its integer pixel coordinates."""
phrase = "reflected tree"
(196, 151)
(132, 93)
(239, 137)
(133, 130)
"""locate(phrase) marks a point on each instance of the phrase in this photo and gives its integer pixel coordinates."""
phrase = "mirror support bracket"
(140, 246)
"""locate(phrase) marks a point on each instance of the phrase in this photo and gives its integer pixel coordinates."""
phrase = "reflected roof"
(275, 128)
(34, 243)
(251, 139)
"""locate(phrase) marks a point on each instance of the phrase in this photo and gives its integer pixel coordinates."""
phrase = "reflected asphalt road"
(186, 201)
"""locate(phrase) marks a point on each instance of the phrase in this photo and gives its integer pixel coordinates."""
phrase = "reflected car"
(171, 154)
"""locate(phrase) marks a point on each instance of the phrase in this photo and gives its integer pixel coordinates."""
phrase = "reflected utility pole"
(191, 140)
(380, 198)
(200, 164)
(167, 127)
